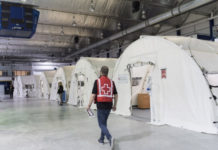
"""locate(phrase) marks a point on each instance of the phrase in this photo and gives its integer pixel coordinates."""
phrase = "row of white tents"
(181, 72)
(27, 86)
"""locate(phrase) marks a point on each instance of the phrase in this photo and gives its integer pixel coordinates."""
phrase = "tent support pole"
(130, 76)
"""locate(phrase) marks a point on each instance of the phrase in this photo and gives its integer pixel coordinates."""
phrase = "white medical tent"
(16, 87)
(180, 94)
(62, 75)
(27, 86)
(87, 70)
(46, 79)
(205, 53)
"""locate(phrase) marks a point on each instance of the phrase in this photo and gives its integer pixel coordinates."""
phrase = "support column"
(178, 32)
(211, 30)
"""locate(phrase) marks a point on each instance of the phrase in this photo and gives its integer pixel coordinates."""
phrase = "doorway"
(5, 89)
(29, 90)
(212, 79)
(43, 93)
(140, 75)
(80, 89)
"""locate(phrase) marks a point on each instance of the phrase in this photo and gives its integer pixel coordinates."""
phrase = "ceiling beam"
(78, 27)
(68, 31)
(27, 48)
(206, 14)
(93, 14)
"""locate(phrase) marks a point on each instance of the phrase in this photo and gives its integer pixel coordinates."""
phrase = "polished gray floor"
(43, 125)
(141, 114)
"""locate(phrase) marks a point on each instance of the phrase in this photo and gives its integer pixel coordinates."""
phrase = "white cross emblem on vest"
(106, 89)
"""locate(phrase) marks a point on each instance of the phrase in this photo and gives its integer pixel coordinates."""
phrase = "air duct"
(172, 13)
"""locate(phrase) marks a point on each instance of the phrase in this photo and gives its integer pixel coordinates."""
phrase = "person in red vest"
(103, 93)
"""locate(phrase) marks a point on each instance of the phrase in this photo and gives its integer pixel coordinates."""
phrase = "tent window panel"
(81, 83)
(213, 82)
(212, 79)
(29, 86)
(58, 78)
(136, 81)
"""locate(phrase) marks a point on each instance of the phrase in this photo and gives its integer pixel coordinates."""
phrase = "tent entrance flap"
(140, 76)
(29, 90)
(81, 83)
(213, 83)
(42, 88)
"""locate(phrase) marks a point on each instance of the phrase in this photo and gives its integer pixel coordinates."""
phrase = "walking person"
(11, 90)
(60, 92)
(103, 92)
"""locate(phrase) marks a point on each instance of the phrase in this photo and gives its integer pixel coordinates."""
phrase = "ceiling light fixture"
(118, 26)
(143, 14)
(101, 35)
(92, 6)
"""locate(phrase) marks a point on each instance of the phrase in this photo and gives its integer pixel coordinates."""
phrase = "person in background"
(60, 92)
(11, 90)
(103, 92)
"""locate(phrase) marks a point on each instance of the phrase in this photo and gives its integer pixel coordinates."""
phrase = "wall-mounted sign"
(123, 78)
(163, 73)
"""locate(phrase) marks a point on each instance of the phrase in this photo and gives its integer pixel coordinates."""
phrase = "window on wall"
(21, 73)
(3, 73)
(136, 81)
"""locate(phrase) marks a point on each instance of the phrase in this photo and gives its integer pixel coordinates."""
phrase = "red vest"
(105, 89)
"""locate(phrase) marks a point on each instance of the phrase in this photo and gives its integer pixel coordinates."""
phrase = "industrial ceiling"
(66, 27)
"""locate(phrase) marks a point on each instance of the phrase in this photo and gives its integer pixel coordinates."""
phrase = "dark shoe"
(100, 141)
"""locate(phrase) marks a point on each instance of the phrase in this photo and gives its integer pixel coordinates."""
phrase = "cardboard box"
(143, 101)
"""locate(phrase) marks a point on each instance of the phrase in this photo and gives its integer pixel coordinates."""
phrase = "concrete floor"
(42, 125)
(141, 114)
